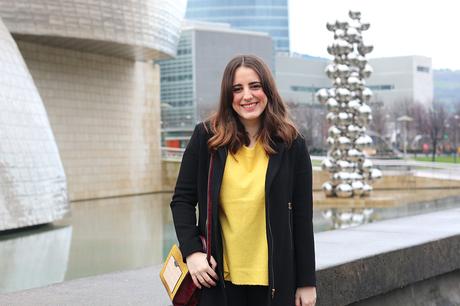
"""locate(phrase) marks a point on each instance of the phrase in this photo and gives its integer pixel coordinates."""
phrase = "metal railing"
(172, 154)
(389, 166)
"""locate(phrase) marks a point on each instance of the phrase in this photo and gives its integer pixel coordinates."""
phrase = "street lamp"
(456, 117)
(405, 120)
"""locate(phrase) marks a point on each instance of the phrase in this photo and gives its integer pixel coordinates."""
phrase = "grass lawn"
(439, 159)
(316, 163)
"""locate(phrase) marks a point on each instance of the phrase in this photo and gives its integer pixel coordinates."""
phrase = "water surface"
(107, 235)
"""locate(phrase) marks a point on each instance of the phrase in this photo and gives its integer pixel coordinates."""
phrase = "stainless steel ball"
(343, 94)
(336, 154)
(355, 176)
(330, 26)
(322, 95)
(354, 105)
(363, 113)
(344, 190)
(331, 141)
(331, 92)
(344, 119)
(343, 142)
(331, 71)
(367, 71)
(328, 165)
(340, 177)
(366, 94)
(354, 83)
(354, 14)
(353, 130)
(343, 71)
(361, 61)
(331, 118)
(353, 35)
(357, 187)
(363, 49)
(352, 58)
(366, 165)
(342, 46)
(339, 33)
(344, 165)
(375, 174)
(365, 26)
(328, 189)
(334, 132)
(332, 105)
(367, 189)
(355, 155)
(363, 141)
(341, 24)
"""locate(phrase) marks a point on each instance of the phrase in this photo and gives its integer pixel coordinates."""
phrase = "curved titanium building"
(32, 180)
(91, 62)
(141, 30)
(270, 16)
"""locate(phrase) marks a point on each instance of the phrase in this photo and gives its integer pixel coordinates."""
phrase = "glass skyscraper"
(270, 16)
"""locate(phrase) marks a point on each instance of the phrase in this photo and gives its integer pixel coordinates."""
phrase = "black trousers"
(246, 295)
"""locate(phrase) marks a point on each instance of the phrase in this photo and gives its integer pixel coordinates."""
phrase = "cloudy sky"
(398, 27)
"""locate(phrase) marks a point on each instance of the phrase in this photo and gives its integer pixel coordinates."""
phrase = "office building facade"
(394, 80)
(190, 83)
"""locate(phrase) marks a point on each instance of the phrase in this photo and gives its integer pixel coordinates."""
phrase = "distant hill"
(446, 85)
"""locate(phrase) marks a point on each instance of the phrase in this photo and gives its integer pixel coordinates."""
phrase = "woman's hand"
(305, 296)
(201, 272)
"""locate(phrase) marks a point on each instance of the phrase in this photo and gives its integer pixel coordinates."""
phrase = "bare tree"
(309, 119)
(419, 114)
(436, 120)
(379, 118)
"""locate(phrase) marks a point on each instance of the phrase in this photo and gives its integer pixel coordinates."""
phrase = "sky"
(398, 27)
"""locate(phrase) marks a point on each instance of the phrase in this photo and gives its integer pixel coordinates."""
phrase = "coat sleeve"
(304, 245)
(185, 198)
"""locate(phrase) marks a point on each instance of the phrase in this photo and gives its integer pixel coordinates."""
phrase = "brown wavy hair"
(225, 124)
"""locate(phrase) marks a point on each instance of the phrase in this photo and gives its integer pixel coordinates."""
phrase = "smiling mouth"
(249, 105)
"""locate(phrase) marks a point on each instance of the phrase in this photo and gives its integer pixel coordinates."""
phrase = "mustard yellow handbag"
(175, 275)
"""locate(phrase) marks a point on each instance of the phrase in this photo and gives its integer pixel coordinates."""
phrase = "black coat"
(289, 206)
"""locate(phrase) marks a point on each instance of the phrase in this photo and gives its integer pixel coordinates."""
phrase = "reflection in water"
(34, 257)
(119, 234)
(116, 234)
(343, 218)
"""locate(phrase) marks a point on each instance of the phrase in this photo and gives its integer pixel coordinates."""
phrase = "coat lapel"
(274, 164)
(218, 173)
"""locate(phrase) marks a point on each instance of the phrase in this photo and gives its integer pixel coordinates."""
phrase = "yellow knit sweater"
(242, 216)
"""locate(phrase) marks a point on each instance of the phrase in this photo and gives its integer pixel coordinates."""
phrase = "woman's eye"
(237, 89)
(256, 86)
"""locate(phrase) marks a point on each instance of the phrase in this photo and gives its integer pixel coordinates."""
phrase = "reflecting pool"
(107, 235)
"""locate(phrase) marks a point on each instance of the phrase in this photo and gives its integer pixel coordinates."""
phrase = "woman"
(262, 236)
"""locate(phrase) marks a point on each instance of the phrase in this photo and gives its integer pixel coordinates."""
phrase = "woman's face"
(249, 99)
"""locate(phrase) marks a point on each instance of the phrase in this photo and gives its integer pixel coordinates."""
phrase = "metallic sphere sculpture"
(348, 111)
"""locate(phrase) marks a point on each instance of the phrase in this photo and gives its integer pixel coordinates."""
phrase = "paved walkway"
(143, 287)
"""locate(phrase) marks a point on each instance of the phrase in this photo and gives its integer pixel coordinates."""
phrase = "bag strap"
(209, 207)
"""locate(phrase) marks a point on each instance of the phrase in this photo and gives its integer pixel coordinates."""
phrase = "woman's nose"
(247, 95)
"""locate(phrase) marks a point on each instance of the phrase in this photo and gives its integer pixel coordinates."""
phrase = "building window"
(381, 87)
(423, 69)
(176, 78)
(305, 88)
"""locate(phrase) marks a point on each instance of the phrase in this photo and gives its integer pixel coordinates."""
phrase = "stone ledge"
(382, 273)
(353, 264)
